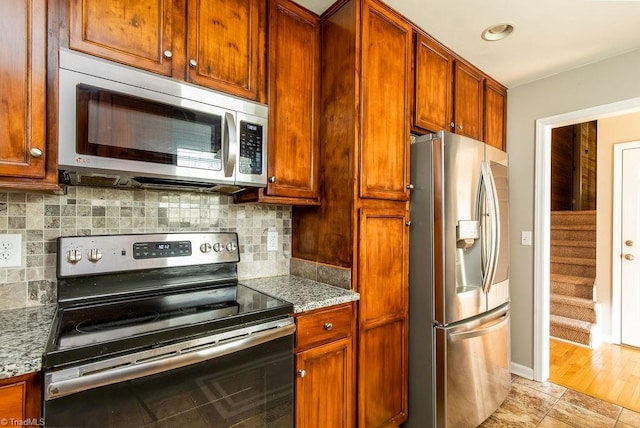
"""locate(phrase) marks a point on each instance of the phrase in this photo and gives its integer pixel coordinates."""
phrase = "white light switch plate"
(525, 237)
(272, 240)
(10, 250)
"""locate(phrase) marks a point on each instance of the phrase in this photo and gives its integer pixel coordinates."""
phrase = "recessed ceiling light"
(497, 32)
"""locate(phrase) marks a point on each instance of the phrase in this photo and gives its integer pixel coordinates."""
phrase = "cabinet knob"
(628, 243)
(452, 125)
(36, 153)
(167, 53)
(302, 373)
(629, 257)
(193, 63)
(272, 179)
(328, 326)
(408, 223)
(410, 187)
(460, 127)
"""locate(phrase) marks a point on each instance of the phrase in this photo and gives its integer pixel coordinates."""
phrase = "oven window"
(250, 388)
(121, 126)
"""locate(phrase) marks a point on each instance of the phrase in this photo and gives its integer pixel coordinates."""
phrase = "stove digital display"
(153, 250)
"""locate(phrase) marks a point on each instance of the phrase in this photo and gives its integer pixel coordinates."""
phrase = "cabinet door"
(324, 396)
(384, 288)
(138, 33)
(468, 101)
(13, 402)
(495, 114)
(433, 85)
(226, 47)
(386, 70)
(23, 28)
(294, 82)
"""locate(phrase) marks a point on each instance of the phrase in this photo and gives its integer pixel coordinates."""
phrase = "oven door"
(211, 382)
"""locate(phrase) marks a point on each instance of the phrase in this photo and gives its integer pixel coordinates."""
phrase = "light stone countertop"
(24, 331)
(23, 335)
(305, 294)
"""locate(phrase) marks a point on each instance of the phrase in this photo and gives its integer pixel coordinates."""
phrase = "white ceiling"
(550, 36)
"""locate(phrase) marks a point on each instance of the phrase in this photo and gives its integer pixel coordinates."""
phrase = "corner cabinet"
(220, 45)
(27, 161)
(20, 400)
(324, 368)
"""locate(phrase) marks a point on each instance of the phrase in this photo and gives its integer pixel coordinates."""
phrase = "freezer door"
(472, 370)
(458, 292)
(498, 291)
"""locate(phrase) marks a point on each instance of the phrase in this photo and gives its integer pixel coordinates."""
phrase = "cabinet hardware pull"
(167, 53)
(193, 63)
(302, 373)
(629, 257)
(272, 179)
(328, 326)
(410, 187)
(453, 125)
(36, 153)
(408, 223)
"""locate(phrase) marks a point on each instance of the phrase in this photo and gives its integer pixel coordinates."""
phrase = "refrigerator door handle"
(494, 213)
(483, 330)
(489, 253)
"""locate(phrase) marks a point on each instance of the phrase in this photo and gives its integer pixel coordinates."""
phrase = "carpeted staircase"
(574, 313)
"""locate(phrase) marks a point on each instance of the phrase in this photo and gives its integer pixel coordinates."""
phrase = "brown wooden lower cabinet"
(20, 400)
(325, 368)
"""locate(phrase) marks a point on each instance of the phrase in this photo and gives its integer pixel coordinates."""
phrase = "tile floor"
(544, 405)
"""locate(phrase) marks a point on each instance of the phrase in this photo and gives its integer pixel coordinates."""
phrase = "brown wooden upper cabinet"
(451, 94)
(23, 93)
(294, 86)
(386, 80)
(433, 106)
(467, 101)
(495, 114)
(220, 45)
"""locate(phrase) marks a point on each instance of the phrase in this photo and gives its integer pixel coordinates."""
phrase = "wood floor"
(611, 372)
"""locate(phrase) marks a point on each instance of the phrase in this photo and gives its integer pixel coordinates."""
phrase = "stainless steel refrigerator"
(459, 328)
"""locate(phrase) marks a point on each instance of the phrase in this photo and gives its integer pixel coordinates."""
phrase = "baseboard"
(521, 370)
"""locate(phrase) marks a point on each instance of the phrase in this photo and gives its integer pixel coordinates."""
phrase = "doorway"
(542, 208)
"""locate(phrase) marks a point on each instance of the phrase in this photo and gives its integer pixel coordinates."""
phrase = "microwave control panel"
(251, 148)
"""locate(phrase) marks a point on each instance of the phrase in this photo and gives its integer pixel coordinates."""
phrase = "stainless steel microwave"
(123, 127)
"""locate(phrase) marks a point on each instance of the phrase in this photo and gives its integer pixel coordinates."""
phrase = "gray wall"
(597, 84)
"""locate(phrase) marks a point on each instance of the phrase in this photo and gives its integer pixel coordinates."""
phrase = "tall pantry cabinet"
(362, 223)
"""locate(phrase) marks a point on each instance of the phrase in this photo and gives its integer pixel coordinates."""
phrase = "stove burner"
(85, 326)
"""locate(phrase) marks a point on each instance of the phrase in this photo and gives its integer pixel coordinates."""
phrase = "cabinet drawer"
(324, 326)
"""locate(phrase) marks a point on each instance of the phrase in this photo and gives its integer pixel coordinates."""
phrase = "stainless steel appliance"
(123, 127)
(155, 330)
(459, 351)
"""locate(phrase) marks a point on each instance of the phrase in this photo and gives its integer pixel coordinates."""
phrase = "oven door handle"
(60, 388)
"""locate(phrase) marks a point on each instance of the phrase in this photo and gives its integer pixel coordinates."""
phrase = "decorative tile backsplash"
(40, 219)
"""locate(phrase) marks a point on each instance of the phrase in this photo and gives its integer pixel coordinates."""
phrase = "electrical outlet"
(10, 250)
(272, 240)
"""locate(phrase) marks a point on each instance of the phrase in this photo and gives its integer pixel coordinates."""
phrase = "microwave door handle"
(229, 145)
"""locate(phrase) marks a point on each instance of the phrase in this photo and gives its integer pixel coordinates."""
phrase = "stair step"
(573, 235)
(572, 243)
(571, 279)
(573, 217)
(583, 227)
(568, 251)
(574, 307)
(573, 261)
(577, 331)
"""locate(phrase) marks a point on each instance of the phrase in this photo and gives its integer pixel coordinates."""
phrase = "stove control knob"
(74, 256)
(231, 247)
(94, 255)
(205, 248)
(217, 247)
